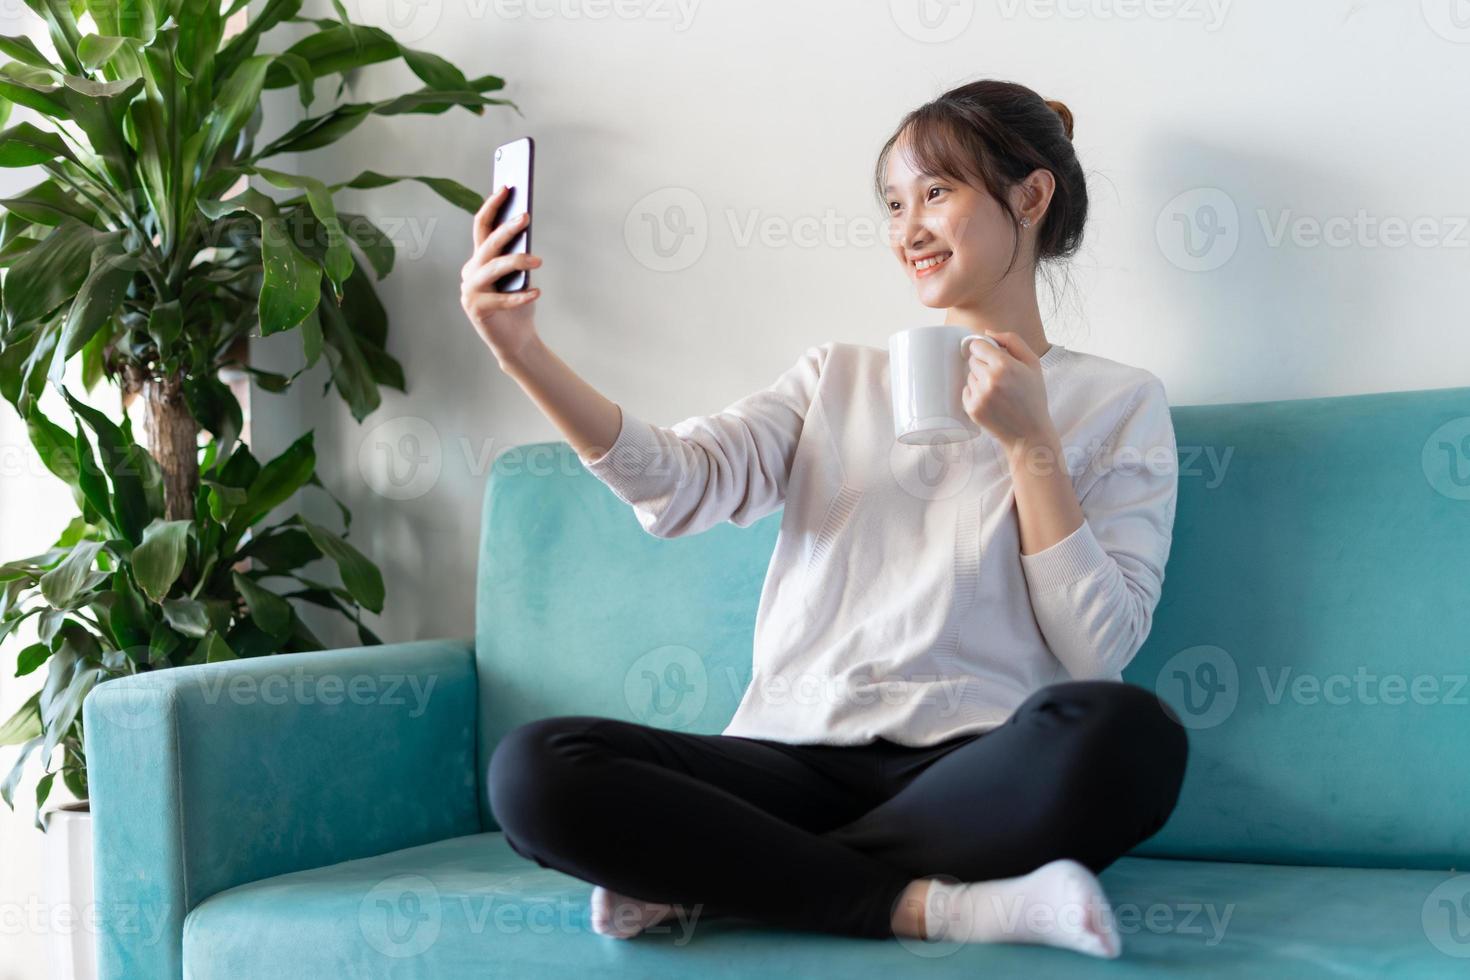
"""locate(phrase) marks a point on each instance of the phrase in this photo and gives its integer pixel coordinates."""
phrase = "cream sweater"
(897, 603)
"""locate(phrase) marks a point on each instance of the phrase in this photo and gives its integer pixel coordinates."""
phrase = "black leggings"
(824, 837)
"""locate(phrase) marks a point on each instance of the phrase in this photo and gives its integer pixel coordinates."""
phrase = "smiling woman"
(968, 644)
(989, 136)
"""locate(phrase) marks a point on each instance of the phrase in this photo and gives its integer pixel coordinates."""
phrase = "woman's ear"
(1032, 196)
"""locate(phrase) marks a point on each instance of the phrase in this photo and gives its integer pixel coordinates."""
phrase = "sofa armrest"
(206, 777)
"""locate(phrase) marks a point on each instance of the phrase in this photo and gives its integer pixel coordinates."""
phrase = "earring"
(1025, 222)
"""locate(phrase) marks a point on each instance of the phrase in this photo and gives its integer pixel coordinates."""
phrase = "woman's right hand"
(505, 321)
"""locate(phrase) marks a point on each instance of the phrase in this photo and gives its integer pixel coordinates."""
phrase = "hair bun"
(1060, 108)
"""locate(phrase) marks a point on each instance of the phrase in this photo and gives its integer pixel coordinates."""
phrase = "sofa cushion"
(470, 907)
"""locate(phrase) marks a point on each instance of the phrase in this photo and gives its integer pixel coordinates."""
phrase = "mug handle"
(964, 343)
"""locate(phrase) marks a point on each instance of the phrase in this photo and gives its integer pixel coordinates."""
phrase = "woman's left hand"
(1005, 393)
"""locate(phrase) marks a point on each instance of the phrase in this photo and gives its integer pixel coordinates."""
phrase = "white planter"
(66, 861)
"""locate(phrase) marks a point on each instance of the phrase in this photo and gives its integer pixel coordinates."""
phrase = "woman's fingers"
(482, 279)
(481, 305)
(485, 217)
(495, 242)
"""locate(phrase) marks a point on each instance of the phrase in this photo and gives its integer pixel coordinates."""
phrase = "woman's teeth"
(924, 265)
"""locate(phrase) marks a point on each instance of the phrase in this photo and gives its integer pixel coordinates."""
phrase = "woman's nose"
(911, 232)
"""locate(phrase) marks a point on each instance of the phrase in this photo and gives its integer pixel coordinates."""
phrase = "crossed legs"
(838, 838)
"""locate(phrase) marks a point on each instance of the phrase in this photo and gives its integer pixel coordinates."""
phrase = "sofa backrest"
(1313, 634)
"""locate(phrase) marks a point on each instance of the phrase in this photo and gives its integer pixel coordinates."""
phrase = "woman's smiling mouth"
(926, 265)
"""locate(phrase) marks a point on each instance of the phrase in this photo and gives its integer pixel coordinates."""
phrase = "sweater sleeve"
(732, 465)
(1095, 591)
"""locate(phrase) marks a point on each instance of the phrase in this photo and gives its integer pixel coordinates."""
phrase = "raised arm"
(679, 479)
(733, 465)
(506, 322)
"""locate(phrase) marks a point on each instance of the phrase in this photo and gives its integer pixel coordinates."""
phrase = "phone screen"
(513, 167)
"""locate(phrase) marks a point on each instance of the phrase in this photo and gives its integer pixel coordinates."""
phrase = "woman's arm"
(681, 479)
(506, 322)
(585, 416)
(1094, 590)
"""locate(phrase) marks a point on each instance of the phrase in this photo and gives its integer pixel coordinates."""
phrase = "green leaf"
(351, 372)
(361, 577)
(7, 788)
(189, 616)
(29, 659)
(165, 324)
(238, 468)
(95, 49)
(98, 108)
(269, 611)
(158, 561)
(162, 643)
(150, 474)
(55, 446)
(48, 204)
(90, 481)
(282, 550)
(61, 585)
(215, 649)
(43, 790)
(92, 360)
(23, 49)
(452, 191)
(62, 22)
(279, 479)
(224, 500)
(364, 312)
(49, 275)
(336, 49)
(269, 380)
(238, 98)
(96, 301)
(376, 247)
(300, 70)
(128, 619)
(311, 337)
(66, 707)
(21, 377)
(291, 285)
(215, 407)
(130, 501)
(339, 262)
(34, 89)
(24, 724)
(124, 18)
(316, 132)
(23, 145)
(242, 44)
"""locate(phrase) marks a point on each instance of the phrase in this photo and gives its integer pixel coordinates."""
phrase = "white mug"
(927, 370)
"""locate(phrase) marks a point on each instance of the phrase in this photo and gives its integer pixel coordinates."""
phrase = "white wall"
(774, 111)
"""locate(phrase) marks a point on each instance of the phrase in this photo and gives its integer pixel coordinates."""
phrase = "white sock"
(622, 917)
(1061, 904)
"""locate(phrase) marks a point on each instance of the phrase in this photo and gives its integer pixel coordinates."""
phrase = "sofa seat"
(471, 907)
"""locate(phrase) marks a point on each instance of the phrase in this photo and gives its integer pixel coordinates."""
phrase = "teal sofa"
(324, 814)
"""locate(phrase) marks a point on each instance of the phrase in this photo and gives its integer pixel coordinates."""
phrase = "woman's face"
(964, 227)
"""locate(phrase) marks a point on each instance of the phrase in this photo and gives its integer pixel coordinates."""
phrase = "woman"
(972, 759)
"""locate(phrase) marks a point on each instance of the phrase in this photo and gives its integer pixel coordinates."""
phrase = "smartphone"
(514, 168)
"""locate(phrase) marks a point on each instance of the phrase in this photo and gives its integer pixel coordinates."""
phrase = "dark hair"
(993, 134)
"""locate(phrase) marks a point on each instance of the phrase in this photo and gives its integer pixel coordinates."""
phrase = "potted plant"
(146, 255)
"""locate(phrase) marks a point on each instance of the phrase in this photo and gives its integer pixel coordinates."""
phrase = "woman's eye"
(933, 189)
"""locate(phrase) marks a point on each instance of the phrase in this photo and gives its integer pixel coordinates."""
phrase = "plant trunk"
(173, 438)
